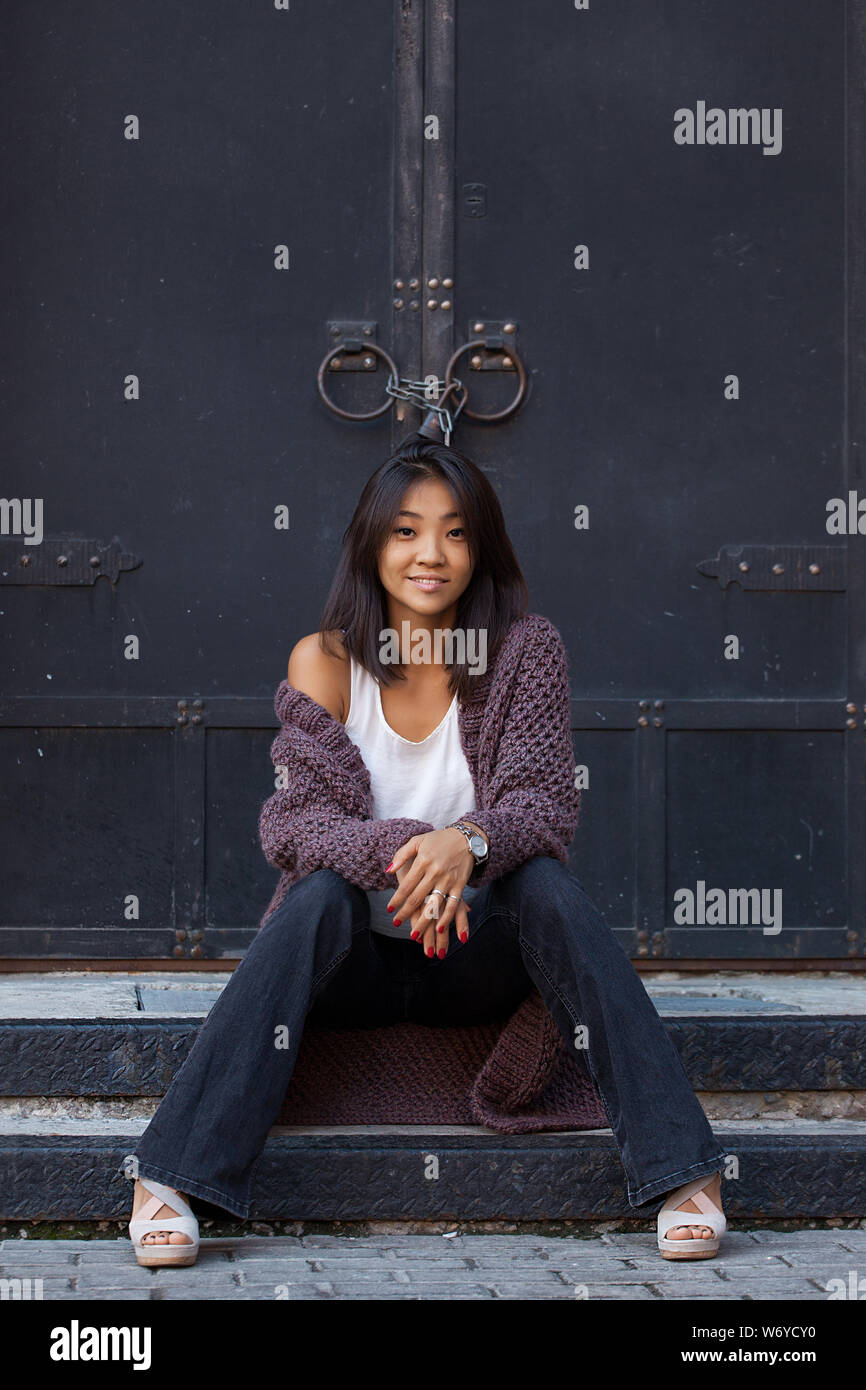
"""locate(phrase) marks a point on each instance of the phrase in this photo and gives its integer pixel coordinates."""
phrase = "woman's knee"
(542, 873)
(548, 879)
(322, 894)
(326, 881)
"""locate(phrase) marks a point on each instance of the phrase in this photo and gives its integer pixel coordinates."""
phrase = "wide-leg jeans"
(316, 959)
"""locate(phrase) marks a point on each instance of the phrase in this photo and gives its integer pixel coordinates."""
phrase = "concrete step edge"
(776, 1171)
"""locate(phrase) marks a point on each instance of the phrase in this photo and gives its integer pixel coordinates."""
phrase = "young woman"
(421, 827)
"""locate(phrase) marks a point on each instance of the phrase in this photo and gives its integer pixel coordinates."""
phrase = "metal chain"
(452, 415)
(418, 392)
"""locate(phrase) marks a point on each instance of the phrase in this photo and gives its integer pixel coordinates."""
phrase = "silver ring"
(455, 897)
(436, 890)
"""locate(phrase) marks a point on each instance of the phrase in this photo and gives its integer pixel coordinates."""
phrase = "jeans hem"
(194, 1188)
(661, 1186)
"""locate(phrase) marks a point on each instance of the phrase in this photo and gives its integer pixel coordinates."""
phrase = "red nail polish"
(464, 938)
(396, 921)
(442, 954)
(389, 867)
(416, 935)
(429, 950)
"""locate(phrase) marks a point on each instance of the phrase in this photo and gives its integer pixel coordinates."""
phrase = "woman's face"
(425, 565)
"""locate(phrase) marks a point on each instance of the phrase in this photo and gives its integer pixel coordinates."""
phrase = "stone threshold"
(89, 996)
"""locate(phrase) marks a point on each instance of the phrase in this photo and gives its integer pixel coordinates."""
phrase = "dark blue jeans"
(317, 959)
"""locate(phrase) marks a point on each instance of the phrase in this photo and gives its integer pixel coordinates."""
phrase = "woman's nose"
(429, 552)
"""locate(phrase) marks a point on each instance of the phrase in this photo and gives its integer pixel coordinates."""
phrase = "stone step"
(54, 1170)
(125, 1035)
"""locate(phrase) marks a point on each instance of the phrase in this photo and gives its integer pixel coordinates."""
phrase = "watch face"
(477, 845)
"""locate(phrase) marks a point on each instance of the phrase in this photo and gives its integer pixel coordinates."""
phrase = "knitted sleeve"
(320, 817)
(531, 804)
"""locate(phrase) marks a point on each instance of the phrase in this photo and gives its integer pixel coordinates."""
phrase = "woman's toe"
(690, 1233)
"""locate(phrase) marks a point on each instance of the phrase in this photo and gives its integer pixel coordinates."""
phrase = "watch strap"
(471, 833)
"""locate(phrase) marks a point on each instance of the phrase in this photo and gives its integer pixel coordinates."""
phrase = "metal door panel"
(88, 816)
(155, 258)
(703, 261)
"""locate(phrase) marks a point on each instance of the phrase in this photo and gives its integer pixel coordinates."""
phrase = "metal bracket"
(498, 335)
(183, 712)
(474, 200)
(352, 336)
(64, 561)
(851, 710)
(798, 568)
(643, 718)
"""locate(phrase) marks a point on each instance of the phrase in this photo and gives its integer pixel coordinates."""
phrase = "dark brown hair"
(496, 595)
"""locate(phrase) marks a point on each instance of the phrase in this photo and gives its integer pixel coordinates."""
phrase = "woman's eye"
(457, 531)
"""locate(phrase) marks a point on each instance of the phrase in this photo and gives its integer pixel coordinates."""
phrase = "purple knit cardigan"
(515, 730)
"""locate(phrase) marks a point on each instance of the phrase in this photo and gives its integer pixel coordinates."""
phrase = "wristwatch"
(477, 843)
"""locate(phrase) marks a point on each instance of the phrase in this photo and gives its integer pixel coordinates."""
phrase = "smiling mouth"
(424, 582)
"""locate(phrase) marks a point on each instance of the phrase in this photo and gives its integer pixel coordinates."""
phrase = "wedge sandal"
(142, 1224)
(709, 1215)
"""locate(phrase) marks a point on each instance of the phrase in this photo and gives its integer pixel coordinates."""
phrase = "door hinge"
(799, 568)
(64, 561)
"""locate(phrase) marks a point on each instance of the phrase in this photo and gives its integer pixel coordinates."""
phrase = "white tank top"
(429, 781)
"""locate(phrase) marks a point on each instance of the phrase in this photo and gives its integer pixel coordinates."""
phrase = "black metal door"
(206, 201)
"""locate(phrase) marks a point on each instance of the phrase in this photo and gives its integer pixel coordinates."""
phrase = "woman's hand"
(439, 859)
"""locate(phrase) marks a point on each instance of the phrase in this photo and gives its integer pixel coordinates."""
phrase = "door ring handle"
(521, 389)
(348, 414)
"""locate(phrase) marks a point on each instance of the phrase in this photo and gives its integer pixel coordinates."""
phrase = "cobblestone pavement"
(753, 1265)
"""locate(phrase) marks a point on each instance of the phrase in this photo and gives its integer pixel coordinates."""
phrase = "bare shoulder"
(322, 674)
